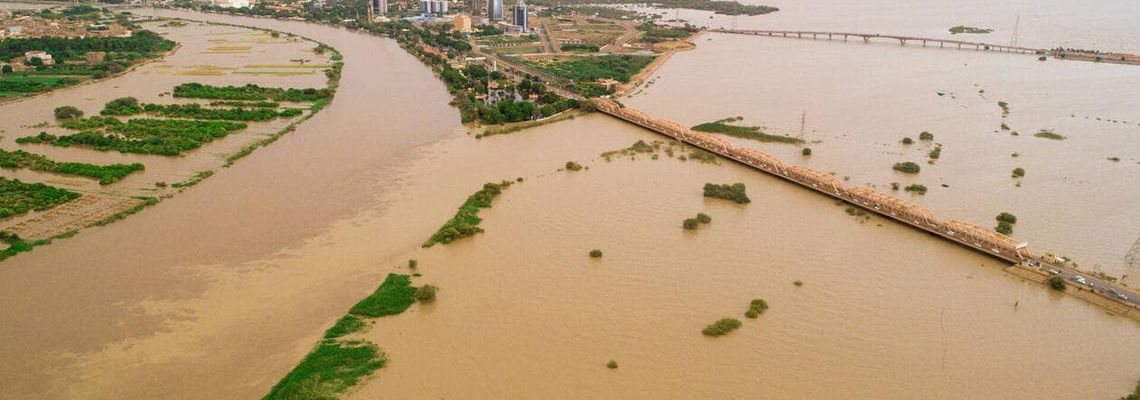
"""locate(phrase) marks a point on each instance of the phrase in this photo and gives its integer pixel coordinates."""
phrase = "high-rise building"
(377, 8)
(518, 15)
(495, 10)
(433, 6)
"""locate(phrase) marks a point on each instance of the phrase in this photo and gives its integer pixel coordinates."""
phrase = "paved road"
(1075, 278)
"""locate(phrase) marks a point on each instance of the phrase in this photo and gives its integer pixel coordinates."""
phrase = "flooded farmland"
(219, 291)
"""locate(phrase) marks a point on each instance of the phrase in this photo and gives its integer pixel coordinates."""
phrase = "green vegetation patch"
(106, 174)
(744, 132)
(969, 29)
(197, 111)
(328, 370)
(346, 325)
(11, 86)
(1049, 134)
(1005, 223)
(466, 222)
(721, 327)
(393, 296)
(757, 307)
(580, 47)
(249, 92)
(589, 69)
(916, 188)
(734, 192)
(654, 33)
(17, 197)
(907, 167)
(426, 293)
(1058, 283)
(168, 137)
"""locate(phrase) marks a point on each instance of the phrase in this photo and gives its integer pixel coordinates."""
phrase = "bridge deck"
(971, 236)
(901, 38)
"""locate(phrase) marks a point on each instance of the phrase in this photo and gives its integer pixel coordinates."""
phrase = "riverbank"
(687, 44)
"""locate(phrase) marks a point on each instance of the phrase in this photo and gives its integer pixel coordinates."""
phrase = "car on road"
(1080, 280)
(1052, 271)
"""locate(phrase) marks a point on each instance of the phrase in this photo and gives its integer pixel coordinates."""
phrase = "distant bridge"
(1027, 264)
(903, 40)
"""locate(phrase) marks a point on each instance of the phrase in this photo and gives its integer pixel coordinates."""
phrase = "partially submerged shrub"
(925, 136)
(1004, 228)
(703, 218)
(798, 283)
(734, 192)
(907, 140)
(916, 188)
(67, 112)
(756, 307)
(806, 151)
(1049, 134)
(426, 293)
(1018, 172)
(612, 364)
(721, 327)
(573, 166)
(690, 223)
(1007, 217)
(595, 253)
(907, 167)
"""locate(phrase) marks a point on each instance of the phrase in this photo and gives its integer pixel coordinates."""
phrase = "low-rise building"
(462, 23)
(40, 54)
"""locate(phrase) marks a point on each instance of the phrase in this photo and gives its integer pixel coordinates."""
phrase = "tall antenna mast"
(1016, 26)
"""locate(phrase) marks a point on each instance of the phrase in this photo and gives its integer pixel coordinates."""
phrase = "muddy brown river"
(219, 291)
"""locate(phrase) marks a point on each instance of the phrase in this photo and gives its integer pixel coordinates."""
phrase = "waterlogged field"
(155, 144)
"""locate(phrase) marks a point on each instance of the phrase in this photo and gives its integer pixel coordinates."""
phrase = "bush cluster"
(734, 192)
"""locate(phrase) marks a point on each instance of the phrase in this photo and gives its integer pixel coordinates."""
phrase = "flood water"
(219, 291)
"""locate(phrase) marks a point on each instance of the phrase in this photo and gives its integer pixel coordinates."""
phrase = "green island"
(907, 167)
(18, 197)
(68, 62)
(734, 192)
(721, 327)
(916, 188)
(1005, 223)
(106, 174)
(168, 137)
(744, 132)
(126, 106)
(969, 29)
(695, 222)
(466, 221)
(250, 92)
(757, 307)
(337, 364)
